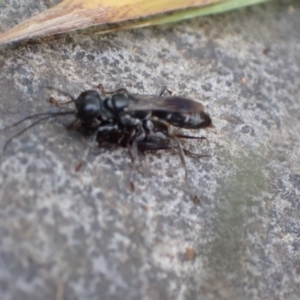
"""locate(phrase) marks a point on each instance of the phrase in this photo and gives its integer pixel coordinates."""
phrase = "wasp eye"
(88, 105)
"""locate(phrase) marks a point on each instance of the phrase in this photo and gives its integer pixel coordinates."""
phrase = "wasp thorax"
(88, 105)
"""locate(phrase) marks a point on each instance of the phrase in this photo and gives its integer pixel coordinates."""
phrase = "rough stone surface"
(232, 231)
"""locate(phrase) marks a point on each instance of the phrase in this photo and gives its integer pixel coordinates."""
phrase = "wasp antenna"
(48, 115)
(60, 91)
(23, 120)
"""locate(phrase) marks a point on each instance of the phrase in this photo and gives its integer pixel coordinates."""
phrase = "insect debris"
(138, 122)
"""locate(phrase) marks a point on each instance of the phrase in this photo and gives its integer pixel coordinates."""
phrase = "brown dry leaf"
(215, 8)
(77, 14)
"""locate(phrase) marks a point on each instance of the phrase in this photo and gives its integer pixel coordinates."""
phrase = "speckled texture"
(231, 232)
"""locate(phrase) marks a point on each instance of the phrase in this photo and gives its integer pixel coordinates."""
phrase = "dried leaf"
(77, 14)
(186, 14)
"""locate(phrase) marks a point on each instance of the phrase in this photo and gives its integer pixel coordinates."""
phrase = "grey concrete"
(231, 232)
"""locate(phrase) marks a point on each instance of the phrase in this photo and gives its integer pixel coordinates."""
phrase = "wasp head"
(88, 105)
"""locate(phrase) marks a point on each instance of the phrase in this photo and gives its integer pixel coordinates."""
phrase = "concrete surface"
(231, 232)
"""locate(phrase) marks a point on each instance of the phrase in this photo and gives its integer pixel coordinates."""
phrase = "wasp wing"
(171, 104)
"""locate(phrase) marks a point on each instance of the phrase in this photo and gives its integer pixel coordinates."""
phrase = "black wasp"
(139, 122)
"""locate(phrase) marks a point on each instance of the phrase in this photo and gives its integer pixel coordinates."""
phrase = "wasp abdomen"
(184, 120)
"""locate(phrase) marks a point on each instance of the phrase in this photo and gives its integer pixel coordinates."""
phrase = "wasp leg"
(104, 129)
(133, 151)
(184, 136)
(195, 155)
(102, 89)
(60, 91)
(137, 135)
(162, 89)
(187, 152)
(57, 103)
(181, 155)
(132, 147)
(154, 146)
(73, 124)
(91, 142)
